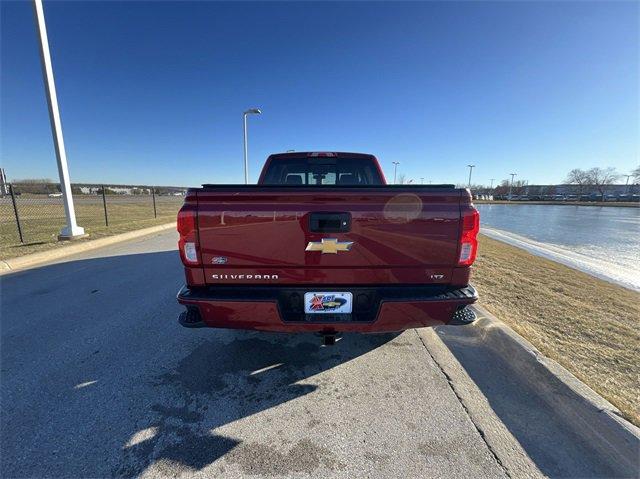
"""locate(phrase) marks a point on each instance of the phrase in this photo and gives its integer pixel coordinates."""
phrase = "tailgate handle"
(329, 222)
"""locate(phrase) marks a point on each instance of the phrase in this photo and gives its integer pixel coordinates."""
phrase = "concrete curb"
(590, 415)
(508, 452)
(29, 261)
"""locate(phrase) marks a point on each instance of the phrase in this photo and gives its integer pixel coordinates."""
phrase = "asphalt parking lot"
(99, 380)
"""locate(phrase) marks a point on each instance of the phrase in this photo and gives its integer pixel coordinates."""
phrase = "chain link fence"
(33, 213)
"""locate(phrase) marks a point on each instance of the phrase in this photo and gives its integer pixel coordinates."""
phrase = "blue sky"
(154, 92)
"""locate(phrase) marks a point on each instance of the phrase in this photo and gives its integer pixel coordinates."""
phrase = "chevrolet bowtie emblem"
(329, 245)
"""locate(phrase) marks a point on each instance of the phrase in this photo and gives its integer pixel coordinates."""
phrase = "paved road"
(98, 380)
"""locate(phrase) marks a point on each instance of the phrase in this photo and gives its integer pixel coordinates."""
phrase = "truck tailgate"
(392, 235)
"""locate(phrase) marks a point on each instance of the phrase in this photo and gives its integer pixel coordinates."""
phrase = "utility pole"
(71, 230)
(471, 167)
(492, 180)
(251, 111)
(395, 170)
(4, 186)
(511, 184)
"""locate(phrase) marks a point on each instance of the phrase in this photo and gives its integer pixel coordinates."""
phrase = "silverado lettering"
(244, 276)
(348, 251)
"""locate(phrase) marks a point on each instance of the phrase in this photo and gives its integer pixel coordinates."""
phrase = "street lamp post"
(251, 111)
(395, 170)
(71, 230)
(511, 184)
(471, 167)
(492, 180)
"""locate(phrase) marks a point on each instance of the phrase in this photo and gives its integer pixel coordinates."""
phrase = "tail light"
(468, 236)
(188, 229)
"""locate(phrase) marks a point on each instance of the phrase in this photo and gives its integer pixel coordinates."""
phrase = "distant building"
(560, 190)
(90, 190)
(576, 189)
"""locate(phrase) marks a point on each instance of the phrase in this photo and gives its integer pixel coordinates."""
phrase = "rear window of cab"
(322, 172)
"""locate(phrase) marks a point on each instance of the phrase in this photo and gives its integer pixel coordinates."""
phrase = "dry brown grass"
(15, 250)
(588, 325)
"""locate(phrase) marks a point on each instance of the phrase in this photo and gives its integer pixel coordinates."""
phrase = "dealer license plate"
(328, 303)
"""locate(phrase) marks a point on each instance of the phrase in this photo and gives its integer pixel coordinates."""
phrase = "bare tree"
(578, 177)
(519, 187)
(601, 178)
(34, 181)
(401, 179)
(501, 189)
(636, 174)
(36, 186)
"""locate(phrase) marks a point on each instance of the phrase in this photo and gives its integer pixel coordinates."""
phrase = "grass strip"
(41, 224)
(586, 324)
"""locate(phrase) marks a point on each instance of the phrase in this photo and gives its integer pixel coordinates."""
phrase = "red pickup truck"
(322, 244)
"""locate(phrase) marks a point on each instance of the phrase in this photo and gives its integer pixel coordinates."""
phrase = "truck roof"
(320, 154)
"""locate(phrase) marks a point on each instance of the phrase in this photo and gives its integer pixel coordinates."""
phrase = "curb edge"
(18, 263)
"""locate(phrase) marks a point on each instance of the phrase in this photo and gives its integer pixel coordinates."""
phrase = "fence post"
(15, 210)
(104, 204)
(153, 194)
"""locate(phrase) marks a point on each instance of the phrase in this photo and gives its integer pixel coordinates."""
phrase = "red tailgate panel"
(399, 237)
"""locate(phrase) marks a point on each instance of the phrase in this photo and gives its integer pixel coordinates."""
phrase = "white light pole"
(511, 184)
(251, 111)
(492, 180)
(72, 230)
(395, 170)
(471, 167)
